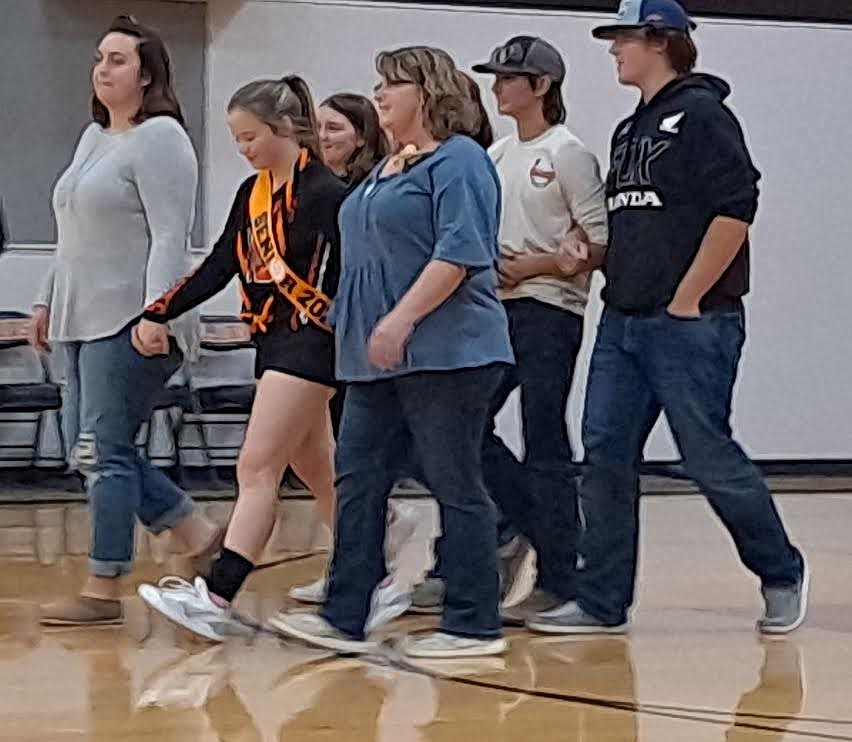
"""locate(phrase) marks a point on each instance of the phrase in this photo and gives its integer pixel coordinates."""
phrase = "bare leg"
(284, 411)
(314, 465)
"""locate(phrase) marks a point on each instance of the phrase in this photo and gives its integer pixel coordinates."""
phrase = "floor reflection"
(691, 671)
(780, 687)
(265, 690)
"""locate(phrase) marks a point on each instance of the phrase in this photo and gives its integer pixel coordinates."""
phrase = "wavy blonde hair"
(448, 106)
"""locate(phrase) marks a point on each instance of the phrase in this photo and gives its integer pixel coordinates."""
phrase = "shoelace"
(173, 582)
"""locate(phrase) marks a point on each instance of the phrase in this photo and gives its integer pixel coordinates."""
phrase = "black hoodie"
(676, 164)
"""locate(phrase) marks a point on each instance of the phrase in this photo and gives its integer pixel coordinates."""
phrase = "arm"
(579, 178)
(728, 181)
(576, 255)
(44, 297)
(208, 279)
(721, 243)
(39, 329)
(40, 325)
(165, 171)
(436, 283)
(465, 204)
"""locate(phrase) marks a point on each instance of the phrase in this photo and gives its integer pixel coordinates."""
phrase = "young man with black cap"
(552, 195)
(681, 193)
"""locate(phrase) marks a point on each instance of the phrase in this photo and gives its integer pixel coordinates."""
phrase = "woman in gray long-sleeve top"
(124, 210)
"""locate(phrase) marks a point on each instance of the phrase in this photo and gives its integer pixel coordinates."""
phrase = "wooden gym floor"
(691, 670)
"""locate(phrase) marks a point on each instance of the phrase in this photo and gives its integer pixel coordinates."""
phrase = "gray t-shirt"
(124, 210)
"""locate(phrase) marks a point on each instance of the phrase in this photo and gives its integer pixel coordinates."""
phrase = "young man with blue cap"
(681, 195)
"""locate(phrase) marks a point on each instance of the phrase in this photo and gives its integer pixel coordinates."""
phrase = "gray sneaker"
(569, 618)
(428, 596)
(785, 607)
(318, 632)
(538, 601)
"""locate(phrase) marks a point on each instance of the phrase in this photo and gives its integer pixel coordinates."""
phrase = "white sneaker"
(402, 525)
(517, 563)
(318, 632)
(313, 594)
(390, 601)
(189, 605)
(439, 645)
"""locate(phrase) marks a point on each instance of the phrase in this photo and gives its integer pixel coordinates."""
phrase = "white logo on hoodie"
(671, 124)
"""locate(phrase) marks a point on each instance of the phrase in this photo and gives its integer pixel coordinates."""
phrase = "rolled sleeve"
(579, 177)
(727, 174)
(465, 205)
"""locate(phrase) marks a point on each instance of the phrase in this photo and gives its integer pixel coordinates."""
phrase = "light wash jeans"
(110, 390)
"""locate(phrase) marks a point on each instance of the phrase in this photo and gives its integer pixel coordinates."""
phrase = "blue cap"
(634, 14)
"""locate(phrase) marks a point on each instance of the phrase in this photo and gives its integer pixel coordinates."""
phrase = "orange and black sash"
(271, 248)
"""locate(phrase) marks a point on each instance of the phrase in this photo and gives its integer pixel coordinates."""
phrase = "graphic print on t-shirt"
(546, 184)
(631, 176)
(542, 173)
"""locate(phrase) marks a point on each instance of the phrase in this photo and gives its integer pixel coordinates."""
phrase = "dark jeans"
(538, 495)
(402, 460)
(446, 414)
(686, 367)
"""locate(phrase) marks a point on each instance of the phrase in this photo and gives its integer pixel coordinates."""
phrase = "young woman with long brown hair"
(124, 210)
(352, 143)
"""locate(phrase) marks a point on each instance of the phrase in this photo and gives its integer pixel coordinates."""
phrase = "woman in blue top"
(422, 341)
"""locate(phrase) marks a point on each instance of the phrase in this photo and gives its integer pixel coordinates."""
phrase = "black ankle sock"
(228, 574)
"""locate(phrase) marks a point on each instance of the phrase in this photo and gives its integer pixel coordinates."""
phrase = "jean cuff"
(172, 517)
(102, 568)
(483, 635)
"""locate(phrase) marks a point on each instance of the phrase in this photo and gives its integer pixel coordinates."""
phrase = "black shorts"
(307, 353)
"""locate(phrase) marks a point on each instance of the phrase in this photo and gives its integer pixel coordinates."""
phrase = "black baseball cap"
(636, 14)
(525, 55)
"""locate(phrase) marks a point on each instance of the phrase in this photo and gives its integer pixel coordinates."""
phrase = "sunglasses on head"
(514, 53)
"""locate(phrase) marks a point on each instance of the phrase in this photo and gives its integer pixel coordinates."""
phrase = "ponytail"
(282, 104)
(307, 133)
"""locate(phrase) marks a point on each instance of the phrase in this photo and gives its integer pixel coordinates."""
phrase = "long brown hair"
(158, 98)
(361, 113)
(447, 105)
(284, 105)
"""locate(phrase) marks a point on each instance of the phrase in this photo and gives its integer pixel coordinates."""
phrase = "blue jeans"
(110, 390)
(402, 460)
(446, 414)
(538, 496)
(686, 367)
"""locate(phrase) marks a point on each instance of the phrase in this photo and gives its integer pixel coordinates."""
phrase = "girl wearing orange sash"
(281, 241)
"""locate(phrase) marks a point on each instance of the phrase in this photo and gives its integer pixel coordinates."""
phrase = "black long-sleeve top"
(313, 252)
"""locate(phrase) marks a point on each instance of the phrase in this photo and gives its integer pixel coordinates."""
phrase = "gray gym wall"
(47, 48)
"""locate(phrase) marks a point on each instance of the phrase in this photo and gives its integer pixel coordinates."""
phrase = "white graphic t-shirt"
(549, 184)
